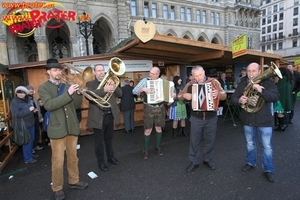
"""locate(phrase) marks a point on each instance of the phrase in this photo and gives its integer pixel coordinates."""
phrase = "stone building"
(58, 35)
(280, 30)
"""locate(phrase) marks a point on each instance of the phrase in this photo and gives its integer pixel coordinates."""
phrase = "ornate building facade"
(112, 21)
(280, 30)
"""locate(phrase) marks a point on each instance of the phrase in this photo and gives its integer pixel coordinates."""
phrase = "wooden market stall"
(171, 54)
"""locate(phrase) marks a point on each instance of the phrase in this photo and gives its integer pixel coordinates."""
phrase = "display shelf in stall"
(7, 147)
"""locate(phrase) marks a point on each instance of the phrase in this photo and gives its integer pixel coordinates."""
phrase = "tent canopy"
(171, 51)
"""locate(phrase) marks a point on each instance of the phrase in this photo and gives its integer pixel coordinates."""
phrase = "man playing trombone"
(101, 116)
(63, 129)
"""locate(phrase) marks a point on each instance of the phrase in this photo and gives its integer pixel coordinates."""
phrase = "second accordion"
(202, 99)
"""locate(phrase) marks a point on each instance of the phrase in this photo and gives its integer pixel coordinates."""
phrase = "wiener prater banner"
(23, 18)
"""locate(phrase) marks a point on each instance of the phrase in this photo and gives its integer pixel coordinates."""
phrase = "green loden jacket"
(63, 118)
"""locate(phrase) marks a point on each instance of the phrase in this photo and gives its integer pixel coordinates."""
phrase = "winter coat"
(63, 119)
(20, 110)
(95, 113)
(262, 118)
(285, 88)
(127, 99)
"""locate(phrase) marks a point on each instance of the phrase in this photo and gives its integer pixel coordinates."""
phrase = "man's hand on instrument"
(109, 88)
(187, 96)
(73, 88)
(215, 93)
(148, 90)
(174, 95)
(243, 99)
(258, 87)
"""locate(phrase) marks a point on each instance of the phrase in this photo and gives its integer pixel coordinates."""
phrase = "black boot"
(183, 131)
(281, 126)
(174, 132)
(276, 122)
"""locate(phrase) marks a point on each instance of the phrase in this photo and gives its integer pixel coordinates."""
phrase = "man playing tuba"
(101, 119)
(259, 122)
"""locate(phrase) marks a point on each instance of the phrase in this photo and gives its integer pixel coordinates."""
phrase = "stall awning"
(173, 50)
(170, 51)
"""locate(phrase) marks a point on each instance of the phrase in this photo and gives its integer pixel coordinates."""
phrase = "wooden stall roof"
(170, 50)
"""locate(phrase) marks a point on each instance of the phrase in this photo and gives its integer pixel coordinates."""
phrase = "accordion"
(202, 99)
(161, 91)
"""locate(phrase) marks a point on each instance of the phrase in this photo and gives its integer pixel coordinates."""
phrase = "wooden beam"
(209, 56)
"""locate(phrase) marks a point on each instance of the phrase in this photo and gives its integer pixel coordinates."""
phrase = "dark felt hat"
(53, 63)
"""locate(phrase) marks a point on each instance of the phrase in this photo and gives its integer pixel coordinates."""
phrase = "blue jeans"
(27, 148)
(265, 136)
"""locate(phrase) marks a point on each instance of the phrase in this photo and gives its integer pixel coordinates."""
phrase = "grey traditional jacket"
(63, 118)
(95, 116)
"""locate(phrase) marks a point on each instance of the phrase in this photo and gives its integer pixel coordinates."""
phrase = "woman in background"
(21, 108)
(127, 106)
(178, 108)
(284, 105)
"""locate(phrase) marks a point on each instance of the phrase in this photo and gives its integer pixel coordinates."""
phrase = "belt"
(107, 112)
(154, 105)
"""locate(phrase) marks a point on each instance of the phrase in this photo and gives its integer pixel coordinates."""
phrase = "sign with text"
(22, 18)
(297, 61)
(131, 65)
(239, 46)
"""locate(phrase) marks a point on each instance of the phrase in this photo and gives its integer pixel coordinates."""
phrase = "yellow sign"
(297, 61)
(239, 46)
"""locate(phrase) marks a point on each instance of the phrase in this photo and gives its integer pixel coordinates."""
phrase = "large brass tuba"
(116, 68)
(255, 102)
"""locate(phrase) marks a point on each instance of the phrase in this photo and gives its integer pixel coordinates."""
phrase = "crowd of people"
(64, 100)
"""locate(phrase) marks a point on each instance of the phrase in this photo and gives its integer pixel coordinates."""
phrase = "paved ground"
(164, 177)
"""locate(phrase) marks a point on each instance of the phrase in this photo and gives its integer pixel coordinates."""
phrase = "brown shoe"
(159, 151)
(145, 155)
(79, 185)
(59, 195)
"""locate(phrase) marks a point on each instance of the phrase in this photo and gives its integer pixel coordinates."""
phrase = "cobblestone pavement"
(164, 177)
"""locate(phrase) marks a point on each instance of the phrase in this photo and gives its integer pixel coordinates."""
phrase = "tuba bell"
(116, 68)
(255, 101)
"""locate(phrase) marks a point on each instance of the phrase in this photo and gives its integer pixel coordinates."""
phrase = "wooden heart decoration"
(144, 31)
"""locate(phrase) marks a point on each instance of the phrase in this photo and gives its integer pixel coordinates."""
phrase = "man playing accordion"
(154, 113)
(201, 119)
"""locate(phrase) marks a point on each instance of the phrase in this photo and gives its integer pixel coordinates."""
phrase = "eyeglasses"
(20, 92)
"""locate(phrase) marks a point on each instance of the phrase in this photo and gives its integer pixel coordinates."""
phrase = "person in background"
(21, 108)
(131, 83)
(202, 121)
(284, 105)
(243, 73)
(63, 129)
(296, 89)
(187, 103)
(102, 119)
(38, 118)
(178, 109)
(44, 135)
(153, 114)
(224, 85)
(260, 122)
(127, 106)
